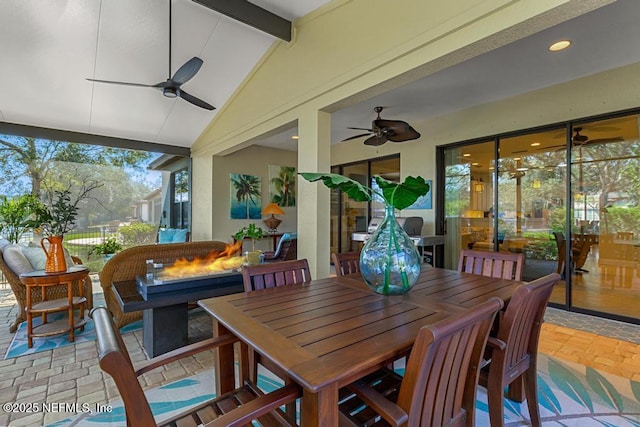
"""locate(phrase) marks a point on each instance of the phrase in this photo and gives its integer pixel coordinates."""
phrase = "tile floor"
(72, 375)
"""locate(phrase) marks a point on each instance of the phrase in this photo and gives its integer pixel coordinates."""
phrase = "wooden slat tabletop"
(327, 333)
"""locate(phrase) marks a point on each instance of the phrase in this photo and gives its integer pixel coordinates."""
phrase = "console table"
(41, 279)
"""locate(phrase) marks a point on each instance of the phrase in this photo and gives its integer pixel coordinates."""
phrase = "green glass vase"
(389, 261)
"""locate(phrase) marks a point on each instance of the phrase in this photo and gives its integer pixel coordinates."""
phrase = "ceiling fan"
(579, 139)
(171, 88)
(386, 130)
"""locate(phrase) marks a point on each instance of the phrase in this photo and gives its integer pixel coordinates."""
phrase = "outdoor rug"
(569, 395)
(18, 346)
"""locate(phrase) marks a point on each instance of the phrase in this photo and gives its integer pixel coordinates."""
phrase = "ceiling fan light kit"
(386, 130)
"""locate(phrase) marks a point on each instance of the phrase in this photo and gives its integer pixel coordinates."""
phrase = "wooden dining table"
(330, 332)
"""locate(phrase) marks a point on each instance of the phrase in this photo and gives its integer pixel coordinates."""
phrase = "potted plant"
(55, 220)
(389, 261)
(108, 247)
(252, 232)
(59, 217)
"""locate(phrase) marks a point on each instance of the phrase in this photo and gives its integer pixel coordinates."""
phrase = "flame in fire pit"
(214, 262)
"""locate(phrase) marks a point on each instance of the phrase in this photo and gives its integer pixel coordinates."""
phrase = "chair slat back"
(522, 320)
(501, 265)
(115, 360)
(439, 385)
(346, 262)
(262, 276)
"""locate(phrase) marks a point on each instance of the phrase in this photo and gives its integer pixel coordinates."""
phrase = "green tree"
(247, 189)
(16, 215)
(35, 159)
(285, 184)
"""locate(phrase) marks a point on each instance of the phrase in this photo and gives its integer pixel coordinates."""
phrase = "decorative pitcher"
(56, 262)
(389, 261)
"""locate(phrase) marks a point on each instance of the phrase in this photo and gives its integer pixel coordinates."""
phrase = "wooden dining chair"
(513, 352)
(346, 262)
(440, 381)
(501, 265)
(273, 274)
(236, 408)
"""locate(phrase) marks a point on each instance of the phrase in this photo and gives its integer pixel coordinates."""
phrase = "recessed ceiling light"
(517, 158)
(535, 144)
(560, 45)
(475, 164)
(466, 155)
(295, 137)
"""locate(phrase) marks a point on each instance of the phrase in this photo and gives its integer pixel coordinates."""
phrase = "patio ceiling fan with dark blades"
(171, 88)
(579, 139)
(386, 130)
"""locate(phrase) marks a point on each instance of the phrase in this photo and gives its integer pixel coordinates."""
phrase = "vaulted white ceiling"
(49, 48)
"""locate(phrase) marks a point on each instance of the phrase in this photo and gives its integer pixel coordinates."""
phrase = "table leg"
(320, 409)
(164, 328)
(29, 319)
(72, 335)
(224, 369)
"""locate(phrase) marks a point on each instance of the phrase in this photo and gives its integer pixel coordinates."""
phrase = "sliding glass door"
(468, 192)
(605, 216)
(567, 197)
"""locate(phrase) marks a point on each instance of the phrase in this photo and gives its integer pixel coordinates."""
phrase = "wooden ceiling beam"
(252, 15)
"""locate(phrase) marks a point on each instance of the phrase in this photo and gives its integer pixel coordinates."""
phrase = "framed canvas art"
(282, 185)
(245, 199)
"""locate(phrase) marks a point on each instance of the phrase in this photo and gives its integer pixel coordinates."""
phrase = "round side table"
(41, 279)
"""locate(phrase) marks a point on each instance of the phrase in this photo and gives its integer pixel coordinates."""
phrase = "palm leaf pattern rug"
(569, 394)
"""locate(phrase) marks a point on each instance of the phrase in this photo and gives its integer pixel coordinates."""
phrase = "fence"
(79, 243)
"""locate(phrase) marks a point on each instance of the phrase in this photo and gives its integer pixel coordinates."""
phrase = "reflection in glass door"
(568, 198)
(605, 216)
(348, 216)
(468, 200)
(531, 202)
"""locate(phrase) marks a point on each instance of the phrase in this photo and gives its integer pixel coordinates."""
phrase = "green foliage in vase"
(59, 217)
(251, 232)
(399, 196)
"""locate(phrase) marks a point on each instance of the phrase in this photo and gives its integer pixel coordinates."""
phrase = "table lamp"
(272, 222)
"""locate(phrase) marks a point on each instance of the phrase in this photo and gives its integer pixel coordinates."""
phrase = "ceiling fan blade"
(355, 137)
(370, 130)
(120, 83)
(397, 130)
(195, 101)
(187, 71)
(376, 140)
(604, 140)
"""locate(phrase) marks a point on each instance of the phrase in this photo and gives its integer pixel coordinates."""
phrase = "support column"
(202, 205)
(314, 150)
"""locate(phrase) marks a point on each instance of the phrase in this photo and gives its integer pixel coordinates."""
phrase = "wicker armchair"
(131, 262)
(53, 292)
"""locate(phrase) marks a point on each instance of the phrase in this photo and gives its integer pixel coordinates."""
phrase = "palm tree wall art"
(282, 185)
(246, 196)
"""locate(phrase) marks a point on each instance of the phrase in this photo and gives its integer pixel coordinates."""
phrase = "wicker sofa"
(128, 264)
(53, 292)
